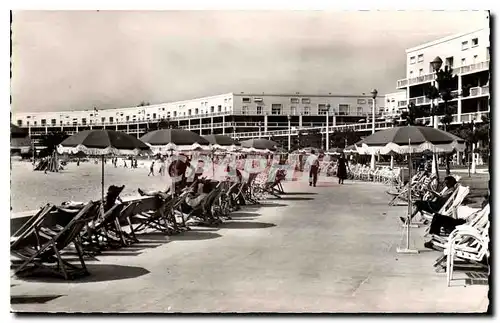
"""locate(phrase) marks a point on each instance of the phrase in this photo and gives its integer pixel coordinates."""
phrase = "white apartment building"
(468, 54)
(394, 103)
(218, 114)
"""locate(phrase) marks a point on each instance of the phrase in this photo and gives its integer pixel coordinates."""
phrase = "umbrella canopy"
(351, 149)
(102, 142)
(221, 140)
(259, 144)
(179, 137)
(414, 139)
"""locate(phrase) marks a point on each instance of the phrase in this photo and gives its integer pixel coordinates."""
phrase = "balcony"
(479, 91)
(466, 69)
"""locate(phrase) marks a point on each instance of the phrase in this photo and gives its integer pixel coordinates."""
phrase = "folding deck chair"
(52, 242)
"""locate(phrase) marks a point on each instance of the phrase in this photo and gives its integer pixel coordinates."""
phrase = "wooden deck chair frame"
(56, 243)
(157, 218)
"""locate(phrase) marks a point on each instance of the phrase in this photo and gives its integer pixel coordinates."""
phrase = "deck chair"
(158, 217)
(460, 247)
(452, 204)
(124, 218)
(41, 256)
(104, 233)
(30, 225)
(477, 222)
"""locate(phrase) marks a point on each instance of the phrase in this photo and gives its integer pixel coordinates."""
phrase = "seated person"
(447, 224)
(433, 206)
(197, 194)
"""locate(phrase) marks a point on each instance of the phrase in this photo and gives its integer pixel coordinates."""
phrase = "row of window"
(276, 109)
(449, 62)
(420, 58)
(474, 42)
(297, 100)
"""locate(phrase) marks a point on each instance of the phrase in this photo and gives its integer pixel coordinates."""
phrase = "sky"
(75, 60)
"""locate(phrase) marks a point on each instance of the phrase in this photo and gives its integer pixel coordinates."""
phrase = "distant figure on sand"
(152, 169)
(342, 169)
(313, 163)
(125, 163)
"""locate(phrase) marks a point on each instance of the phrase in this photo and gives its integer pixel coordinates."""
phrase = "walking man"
(313, 162)
(152, 169)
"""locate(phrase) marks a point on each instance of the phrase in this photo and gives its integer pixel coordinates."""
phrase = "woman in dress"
(342, 168)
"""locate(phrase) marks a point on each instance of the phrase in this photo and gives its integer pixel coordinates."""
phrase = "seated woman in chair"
(433, 206)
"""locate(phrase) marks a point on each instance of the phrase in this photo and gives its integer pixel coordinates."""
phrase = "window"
(463, 61)
(84, 121)
(189, 112)
(475, 42)
(465, 45)
(411, 74)
(474, 59)
(212, 109)
(259, 109)
(110, 119)
(420, 58)
(257, 100)
(225, 100)
(361, 101)
(360, 110)
(244, 109)
(245, 100)
(276, 109)
(370, 101)
(127, 118)
(175, 114)
(306, 101)
(61, 122)
(293, 110)
(154, 115)
(402, 103)
(27, 123)
(307, 111)
(196, 111)
(421, 72)
(19, 123)
(44, 122)
(343, 109)
(294, 100)
(412, 60)
(322, 109)
(219, 108)
(91, 115)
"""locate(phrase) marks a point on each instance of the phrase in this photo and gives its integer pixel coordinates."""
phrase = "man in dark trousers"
(152, 169)
(313, 162)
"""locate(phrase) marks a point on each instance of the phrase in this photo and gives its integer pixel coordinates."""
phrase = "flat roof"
(442, 40)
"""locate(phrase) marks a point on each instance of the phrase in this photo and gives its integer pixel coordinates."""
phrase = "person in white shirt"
(313, 163)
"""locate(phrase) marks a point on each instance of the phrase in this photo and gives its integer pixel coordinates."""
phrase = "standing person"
(313, 163)
(152, 169)
(125, 163)
(342, 168)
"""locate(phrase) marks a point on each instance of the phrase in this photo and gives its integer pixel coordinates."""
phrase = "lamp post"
(289, 133)
(436, 65)
(327, 138)
(374, 93)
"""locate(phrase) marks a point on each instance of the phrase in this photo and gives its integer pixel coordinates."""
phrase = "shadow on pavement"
(299, 193)
(195, 235)
(98, 273)
(31, 299)
(265, 205)
(294, 198)
(244, 214)
(246, 225)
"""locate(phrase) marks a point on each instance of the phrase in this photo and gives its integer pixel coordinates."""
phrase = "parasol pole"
(408, 217)
(102, 178)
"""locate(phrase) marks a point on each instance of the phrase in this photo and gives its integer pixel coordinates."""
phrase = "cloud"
(78, 59)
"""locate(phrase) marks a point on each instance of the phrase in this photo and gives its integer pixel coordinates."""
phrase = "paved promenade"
(331, 250)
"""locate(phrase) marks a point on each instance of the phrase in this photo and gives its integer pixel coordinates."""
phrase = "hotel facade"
(468, 55)
(234, 114)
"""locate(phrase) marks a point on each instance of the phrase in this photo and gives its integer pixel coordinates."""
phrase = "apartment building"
(468, 55)
(218, 114)
(394, 103)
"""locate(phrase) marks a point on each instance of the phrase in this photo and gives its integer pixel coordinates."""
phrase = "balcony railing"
(476, 67)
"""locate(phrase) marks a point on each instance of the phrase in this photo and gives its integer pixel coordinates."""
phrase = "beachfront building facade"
(394, 104)
(468, 55)
(231, 113)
